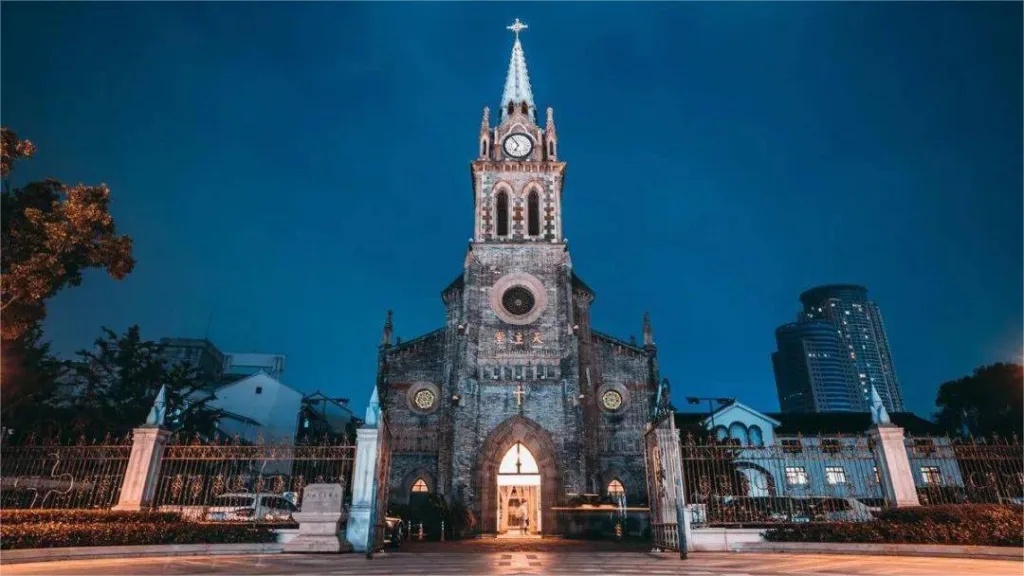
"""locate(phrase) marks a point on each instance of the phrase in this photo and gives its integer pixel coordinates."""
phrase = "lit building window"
(931, 475)
(796, 476)
(835, 475)
(420, 485)
(615, 488)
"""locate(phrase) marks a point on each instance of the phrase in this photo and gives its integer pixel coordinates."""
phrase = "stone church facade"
(517, 362)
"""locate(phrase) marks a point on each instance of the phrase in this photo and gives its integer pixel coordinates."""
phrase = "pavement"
(526, 562)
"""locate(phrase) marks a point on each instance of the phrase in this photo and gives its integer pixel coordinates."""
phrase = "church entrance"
(519, 493)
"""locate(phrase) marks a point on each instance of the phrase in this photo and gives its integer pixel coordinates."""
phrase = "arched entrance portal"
(500, 448)
(518, 493)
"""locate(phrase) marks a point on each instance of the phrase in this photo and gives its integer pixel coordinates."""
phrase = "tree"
(113, 388)
(30, 378)
(988, 402)
(51, 233)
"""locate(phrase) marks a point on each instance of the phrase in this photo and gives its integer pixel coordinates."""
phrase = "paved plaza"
(525, 562)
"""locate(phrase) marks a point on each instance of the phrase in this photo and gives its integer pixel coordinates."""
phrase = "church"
(517, 404)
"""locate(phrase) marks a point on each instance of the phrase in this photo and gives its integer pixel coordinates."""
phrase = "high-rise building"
(860, 341)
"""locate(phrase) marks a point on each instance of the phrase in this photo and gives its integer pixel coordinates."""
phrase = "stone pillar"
(894, 471)
(360, 531)
(319, 521)
(143, 472)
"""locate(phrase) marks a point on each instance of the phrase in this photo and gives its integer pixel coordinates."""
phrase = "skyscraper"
(858, 338)
(812, 369)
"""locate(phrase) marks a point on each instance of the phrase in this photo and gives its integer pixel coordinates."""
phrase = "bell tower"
(517, 178)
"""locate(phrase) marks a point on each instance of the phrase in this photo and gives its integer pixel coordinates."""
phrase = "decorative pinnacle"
(517, 27)
(648, 334)
(385, 339)
(485, 122)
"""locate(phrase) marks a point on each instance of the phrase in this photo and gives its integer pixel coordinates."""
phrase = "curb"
(930, 550)
(30, 555)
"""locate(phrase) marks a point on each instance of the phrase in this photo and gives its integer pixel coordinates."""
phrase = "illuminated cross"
(519, 393)
(517, 27)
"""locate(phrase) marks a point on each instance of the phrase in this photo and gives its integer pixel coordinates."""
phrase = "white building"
(258, 406)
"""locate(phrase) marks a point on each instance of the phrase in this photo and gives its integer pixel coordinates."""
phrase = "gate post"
(143, 472)
(360, 530)
(680, 488)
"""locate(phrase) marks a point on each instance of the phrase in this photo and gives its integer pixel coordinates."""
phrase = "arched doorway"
(531, 438)
(519, 493)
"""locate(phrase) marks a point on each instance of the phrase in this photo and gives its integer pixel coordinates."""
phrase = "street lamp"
(696, 400)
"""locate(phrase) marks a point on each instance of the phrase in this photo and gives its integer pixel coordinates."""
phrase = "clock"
(518, 145)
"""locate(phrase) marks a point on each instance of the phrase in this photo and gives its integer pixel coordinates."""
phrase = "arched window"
(756, 436)
(615, 488)
(483, 148)
(738, 432)
(511, 108)
(502, 209)
(420, 486)
(721, 433)
(533, 214)
(524, 108)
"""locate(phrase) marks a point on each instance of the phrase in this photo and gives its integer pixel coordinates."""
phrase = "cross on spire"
(517, 27)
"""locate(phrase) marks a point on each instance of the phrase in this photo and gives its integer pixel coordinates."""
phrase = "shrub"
(962, 524)
(62, 528)
(86, 517)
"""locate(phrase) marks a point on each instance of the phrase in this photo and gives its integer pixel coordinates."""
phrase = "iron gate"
(665, 484)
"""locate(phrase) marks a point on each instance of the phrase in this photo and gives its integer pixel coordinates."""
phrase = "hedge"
(63, 528)
(961, 524)
(86, 517)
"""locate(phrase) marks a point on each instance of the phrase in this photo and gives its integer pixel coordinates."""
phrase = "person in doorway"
(524, 519)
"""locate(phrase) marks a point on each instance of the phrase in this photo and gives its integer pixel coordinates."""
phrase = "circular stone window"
(518, 298)
(611, 400)
(422, 397)
(518, 301)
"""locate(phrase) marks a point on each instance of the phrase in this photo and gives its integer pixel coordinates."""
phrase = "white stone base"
(318, 532)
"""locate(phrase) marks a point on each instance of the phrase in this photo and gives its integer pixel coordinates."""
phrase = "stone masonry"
(517, 359)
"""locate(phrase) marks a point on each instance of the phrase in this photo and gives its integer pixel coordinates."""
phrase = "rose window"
(424, 399)
(518, 301)
(611, 400)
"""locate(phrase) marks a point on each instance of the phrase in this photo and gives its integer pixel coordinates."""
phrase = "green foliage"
(29, 379)
(110, 390)
(10, 517)
(459, 521)
(961, 524)
(988, 402)
(63, 528)
(51, 234)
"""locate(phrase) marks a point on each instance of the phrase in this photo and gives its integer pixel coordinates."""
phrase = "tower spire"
(648, 333)
(517, 82)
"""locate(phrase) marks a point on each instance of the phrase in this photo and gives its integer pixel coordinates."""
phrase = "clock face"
(518, 145)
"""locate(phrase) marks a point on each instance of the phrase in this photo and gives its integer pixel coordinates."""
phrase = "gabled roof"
(849, 423)
(260, 374)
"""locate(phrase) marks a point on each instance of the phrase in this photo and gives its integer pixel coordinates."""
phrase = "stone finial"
(158, 413)
(879, 415)
(648, 335)
(373, 409)
(551, 120)
(385, 339)
(485, 122)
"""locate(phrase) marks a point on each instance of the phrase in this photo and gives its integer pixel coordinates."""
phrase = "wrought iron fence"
(967, 471)
(57, 473)
(259, 482)
(832, 479)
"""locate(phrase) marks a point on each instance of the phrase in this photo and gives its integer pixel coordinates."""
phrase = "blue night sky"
(297, 169)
